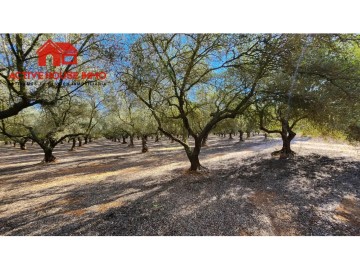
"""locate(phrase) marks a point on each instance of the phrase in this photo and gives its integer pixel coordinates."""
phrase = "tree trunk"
(286, 149)
(195, 162)
(49, 157)
(241, 135)
(131, 144)
(144, 144)
(185, 135)
(247, 134)
(157, 138)
(204, 141)
(14, 144)
(80, 141)
(22, 145)
(193, 156)
(230, 136)
(90, 140)
(287, 135)
(73, 144)
(124, 140)
(85, 139)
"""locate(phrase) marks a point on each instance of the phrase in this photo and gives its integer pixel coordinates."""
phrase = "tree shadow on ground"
(91, 160)
(307, 195)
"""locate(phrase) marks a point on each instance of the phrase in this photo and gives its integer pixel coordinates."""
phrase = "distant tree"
(56, 124)
(13, 128)
(131, 117)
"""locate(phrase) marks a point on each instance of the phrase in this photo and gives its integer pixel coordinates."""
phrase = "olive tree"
(18, 54)
(166, 71)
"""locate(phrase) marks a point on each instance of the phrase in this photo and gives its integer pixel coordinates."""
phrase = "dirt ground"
(106, 188)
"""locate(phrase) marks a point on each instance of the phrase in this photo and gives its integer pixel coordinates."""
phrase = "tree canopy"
(183, 86)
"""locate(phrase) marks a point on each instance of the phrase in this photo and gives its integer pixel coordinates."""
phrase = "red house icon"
(62, 53)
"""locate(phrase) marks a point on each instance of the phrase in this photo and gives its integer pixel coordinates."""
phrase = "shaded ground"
(106, 188)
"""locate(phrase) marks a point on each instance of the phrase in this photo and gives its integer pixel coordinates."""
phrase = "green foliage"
(190, 84)
(127, 116)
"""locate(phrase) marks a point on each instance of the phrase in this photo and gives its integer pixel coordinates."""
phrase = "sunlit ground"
(107, 188)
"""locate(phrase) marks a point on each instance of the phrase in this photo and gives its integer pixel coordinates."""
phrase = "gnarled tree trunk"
(49, 157)
(241, 135)
(144, 144)
(194, 161)
(287, 135)
(22, 145)
(73, 144)
(204, 141)
(193, 155)
(286, 149)
(131, 144)
(80, 141)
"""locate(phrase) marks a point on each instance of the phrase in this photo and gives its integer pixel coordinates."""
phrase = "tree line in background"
(183, 86)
